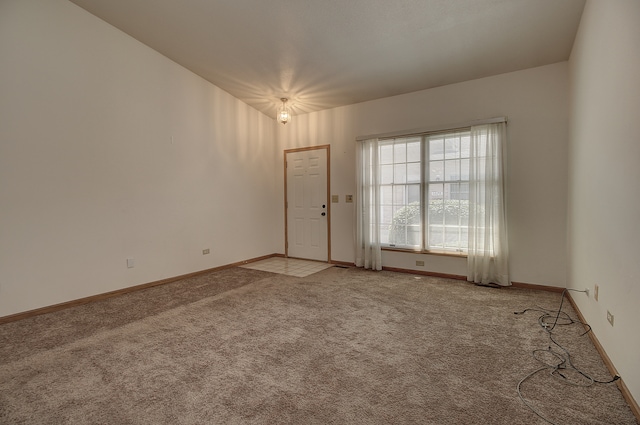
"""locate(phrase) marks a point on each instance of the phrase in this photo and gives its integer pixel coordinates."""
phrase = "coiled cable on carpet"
(548, 321)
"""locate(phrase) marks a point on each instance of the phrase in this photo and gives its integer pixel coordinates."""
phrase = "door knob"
(324, 213)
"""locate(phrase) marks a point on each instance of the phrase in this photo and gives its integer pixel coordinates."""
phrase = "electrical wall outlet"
(610, 317)
(419, 263)
(205, 251)
(595, 292)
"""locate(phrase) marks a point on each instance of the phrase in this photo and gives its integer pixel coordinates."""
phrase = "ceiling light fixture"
(284, 112)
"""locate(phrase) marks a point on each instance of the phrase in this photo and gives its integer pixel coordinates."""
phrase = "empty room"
(271, 211)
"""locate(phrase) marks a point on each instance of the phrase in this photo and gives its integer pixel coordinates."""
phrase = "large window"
(435, 192)
(424, 192)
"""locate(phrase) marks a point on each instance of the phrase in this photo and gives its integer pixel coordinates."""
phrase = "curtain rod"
(431, 129)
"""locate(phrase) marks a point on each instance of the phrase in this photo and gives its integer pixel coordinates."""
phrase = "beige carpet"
(343, 346)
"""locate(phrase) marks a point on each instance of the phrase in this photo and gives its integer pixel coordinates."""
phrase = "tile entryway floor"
(288, 266)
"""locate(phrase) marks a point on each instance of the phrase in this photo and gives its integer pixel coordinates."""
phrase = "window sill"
(414, 251)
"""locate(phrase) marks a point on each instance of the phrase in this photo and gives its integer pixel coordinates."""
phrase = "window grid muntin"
(399, 192)
(460, 156)
(453, 234)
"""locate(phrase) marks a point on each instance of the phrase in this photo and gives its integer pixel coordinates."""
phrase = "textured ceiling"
(323, 54)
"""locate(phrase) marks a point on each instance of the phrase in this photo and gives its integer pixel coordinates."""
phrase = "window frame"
(425, 181)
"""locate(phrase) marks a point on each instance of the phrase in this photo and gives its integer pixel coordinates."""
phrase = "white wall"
(604, 197)
(536, 103)
(109, 150)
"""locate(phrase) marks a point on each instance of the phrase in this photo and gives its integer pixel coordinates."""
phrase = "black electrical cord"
(548, 321)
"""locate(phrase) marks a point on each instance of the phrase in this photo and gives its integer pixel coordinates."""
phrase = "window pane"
(448, 202)
(436, 212)
(436, 191)
(414, 235)
(464, 212)
(400, 173)
(398, 235)
(399, 152)
(386, 215)
(436, 236)
(399, 214)
(436, 171)
(452, 169)
(402, 215)
(459, 192)
(464, 238)
(414, 193)
(386, 154)
(386, 197)
(451, 190)
(464, 169)
(465, 144)
(384, 234)
(446, 191)
(399, 195)
(451, 204)
(413, 151)
(402, 230)
(464, 195)
(414, 213)
(452, 147)
(386, 174)
(436, 149)
(451, 237)
(413, 172)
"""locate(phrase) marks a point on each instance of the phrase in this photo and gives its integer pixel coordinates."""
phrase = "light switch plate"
(335, 198)
(348, 199)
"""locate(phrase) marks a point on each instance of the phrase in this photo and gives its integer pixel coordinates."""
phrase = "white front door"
(307, 206)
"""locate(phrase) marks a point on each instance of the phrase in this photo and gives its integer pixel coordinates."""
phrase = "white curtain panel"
(488, 256)
(368, 251)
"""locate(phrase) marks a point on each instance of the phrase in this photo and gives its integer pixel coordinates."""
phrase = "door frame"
(286, 221)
